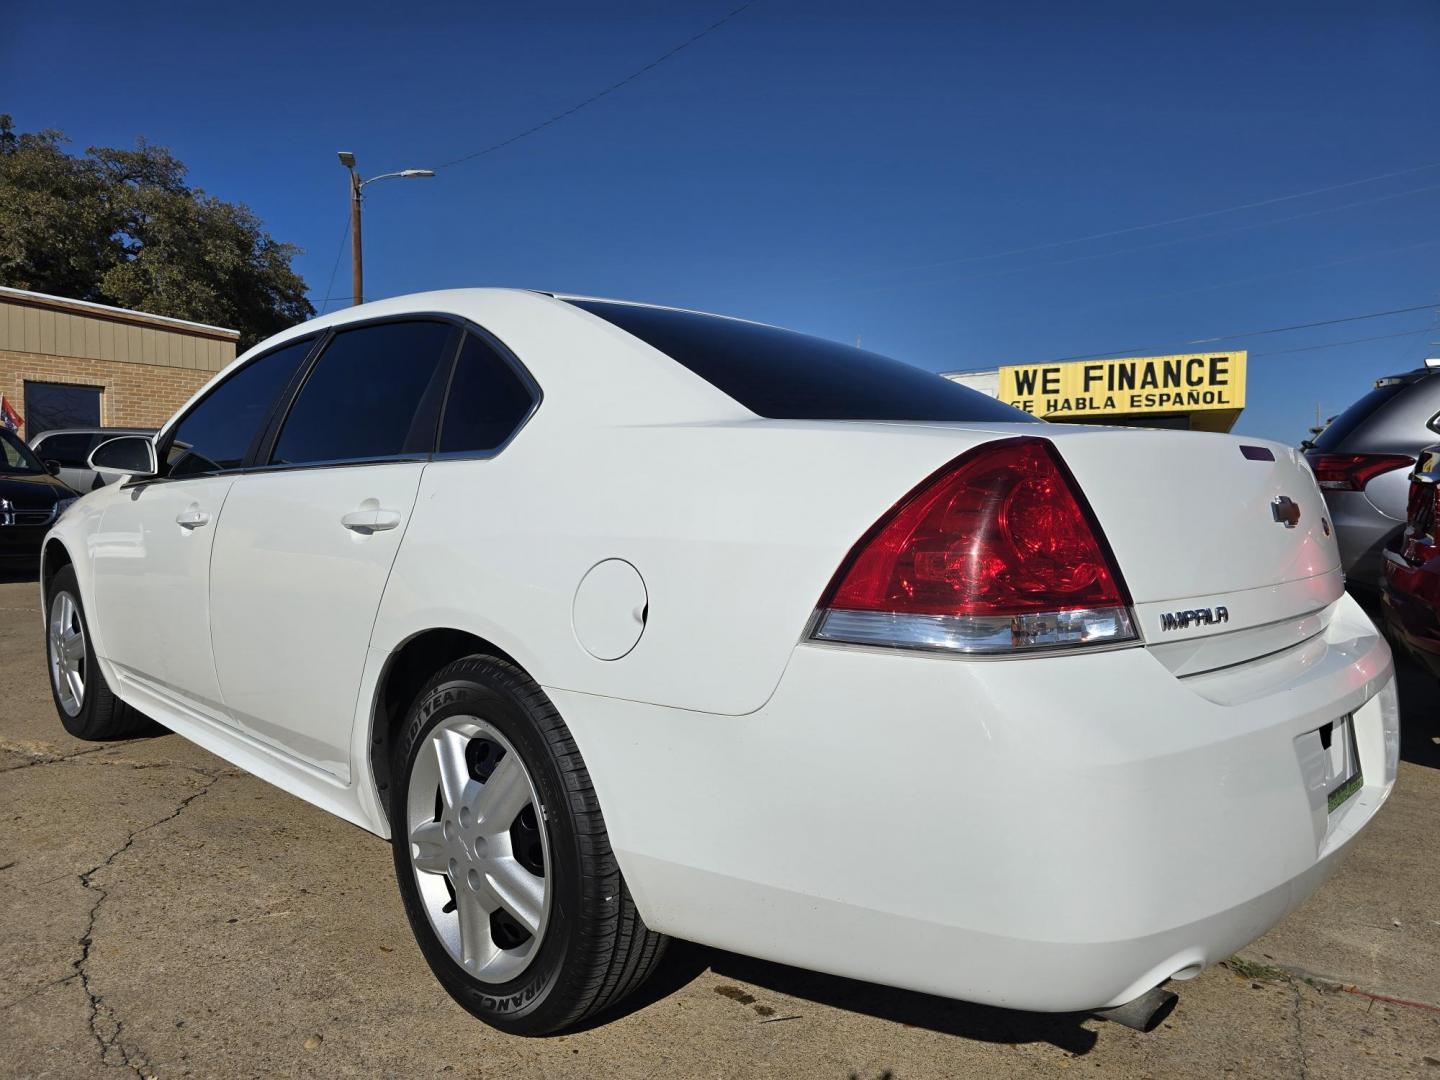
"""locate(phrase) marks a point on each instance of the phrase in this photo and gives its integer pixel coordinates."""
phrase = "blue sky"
(847, 169)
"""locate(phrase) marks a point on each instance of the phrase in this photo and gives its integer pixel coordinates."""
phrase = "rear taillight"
(1421, 509)
(1351, 472)
(995, 553)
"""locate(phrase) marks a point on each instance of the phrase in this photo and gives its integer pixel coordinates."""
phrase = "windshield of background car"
(783, 375)
(15, 456)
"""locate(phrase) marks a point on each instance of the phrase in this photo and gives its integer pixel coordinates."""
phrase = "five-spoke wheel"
(504, 864)
(68, 655)
(479, 855)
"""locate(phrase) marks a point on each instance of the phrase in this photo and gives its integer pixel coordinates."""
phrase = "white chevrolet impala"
(624, 622)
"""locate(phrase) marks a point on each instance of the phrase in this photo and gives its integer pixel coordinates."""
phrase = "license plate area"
(1343, 777)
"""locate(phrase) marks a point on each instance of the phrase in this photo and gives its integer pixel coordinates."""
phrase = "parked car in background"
(30, 500)
(1362, 462)
(1412, 568)
(623, 621)
(70, 449)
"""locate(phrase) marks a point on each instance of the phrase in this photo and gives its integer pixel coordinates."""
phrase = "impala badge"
(1183, 620)
(1286, 511)
(7, 512)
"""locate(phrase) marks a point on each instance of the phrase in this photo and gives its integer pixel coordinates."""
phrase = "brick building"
(70, 363)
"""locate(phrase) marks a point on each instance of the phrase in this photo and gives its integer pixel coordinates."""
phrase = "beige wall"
(124, 337)
(145, 366)
(132, 395)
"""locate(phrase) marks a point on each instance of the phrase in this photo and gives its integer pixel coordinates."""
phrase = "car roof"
(95, 431)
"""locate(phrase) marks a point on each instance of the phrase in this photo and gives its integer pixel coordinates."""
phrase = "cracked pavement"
(165, 914)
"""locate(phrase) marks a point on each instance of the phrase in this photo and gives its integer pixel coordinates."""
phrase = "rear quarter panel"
(736, 528)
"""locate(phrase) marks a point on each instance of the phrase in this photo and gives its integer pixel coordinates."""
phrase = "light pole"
(357, 272)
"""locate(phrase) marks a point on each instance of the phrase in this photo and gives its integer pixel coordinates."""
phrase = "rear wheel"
(87, 708)
(502, 857)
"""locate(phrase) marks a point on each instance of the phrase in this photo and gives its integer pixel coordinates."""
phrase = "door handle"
(366, 522)
(192, 519)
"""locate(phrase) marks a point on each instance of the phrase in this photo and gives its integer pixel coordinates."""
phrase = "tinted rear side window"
(1345, 424)
(487, 401)
(374, 393)
(788, 376)
(216, 434)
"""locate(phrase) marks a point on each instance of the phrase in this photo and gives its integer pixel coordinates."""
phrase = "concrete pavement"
(164, 914)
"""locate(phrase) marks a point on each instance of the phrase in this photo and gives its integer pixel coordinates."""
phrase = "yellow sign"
(1136, 386)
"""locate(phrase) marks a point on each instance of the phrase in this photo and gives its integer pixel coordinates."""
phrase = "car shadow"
(1419, 693)
(1419, 713)
(20, 574)
(685, 962)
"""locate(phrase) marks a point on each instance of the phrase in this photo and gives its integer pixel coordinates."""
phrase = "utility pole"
(357, 262)
(357, 259)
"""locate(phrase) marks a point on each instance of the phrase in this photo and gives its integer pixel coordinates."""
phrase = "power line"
(1352, 341)
(597, 96)
(1115, 300)
(1162, 243)
(1141, 349)
(1049, 245)
(340, 251)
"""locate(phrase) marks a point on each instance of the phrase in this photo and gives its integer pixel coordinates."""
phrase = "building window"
(57, 405)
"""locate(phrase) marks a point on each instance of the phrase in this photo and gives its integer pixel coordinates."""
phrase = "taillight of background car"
(1424, 490)
(996, 553)
(1351, 472)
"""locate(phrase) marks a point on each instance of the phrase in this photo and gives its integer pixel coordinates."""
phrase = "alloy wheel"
(478, 848)
(68, 654)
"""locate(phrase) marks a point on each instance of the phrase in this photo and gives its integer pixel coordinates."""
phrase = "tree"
(123, 227)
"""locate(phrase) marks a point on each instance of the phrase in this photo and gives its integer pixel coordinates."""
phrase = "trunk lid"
(1213, 534)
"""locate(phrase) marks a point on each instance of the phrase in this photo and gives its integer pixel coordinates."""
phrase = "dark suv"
(1362, 462)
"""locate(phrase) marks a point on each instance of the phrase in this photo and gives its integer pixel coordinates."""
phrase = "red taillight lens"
(1351, 472)
(1420, 511)
(994, 553)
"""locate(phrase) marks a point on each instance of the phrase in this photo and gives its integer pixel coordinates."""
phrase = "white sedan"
(623, 622)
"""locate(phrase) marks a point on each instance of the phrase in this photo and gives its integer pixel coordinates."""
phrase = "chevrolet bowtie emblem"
(1286, 511)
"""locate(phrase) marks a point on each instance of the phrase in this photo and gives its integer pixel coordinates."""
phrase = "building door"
(58, 405)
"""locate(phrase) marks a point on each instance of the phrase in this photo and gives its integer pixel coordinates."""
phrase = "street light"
(357, 276)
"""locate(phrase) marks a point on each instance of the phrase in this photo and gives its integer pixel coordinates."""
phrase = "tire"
(86, 706)
(528, 959)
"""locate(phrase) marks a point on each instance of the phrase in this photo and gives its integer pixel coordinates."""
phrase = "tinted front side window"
(788, 376)
(374, 393)
(487, 401)
(15, 456)
(70, 451)
(216, 434)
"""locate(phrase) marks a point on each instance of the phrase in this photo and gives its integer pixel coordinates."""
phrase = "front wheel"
(504, 865)
(87, 708)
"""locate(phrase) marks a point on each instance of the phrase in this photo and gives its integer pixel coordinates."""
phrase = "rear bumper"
(1052, 834)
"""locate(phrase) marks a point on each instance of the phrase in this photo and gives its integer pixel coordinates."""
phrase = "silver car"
(1362, 462)
(70, 449)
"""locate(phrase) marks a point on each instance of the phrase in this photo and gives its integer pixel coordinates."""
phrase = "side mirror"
(125, 455)
(52, 466)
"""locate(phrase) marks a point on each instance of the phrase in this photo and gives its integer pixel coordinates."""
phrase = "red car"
(1412, 568)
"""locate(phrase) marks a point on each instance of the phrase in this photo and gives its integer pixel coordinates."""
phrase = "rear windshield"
(1341, 427)
(782, 375)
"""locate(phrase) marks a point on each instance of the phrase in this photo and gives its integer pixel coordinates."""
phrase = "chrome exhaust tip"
(1144, 1013)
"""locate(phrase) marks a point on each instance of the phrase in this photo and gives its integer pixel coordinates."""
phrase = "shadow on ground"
(1419, 713)
(684, 962)
(19, 574)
